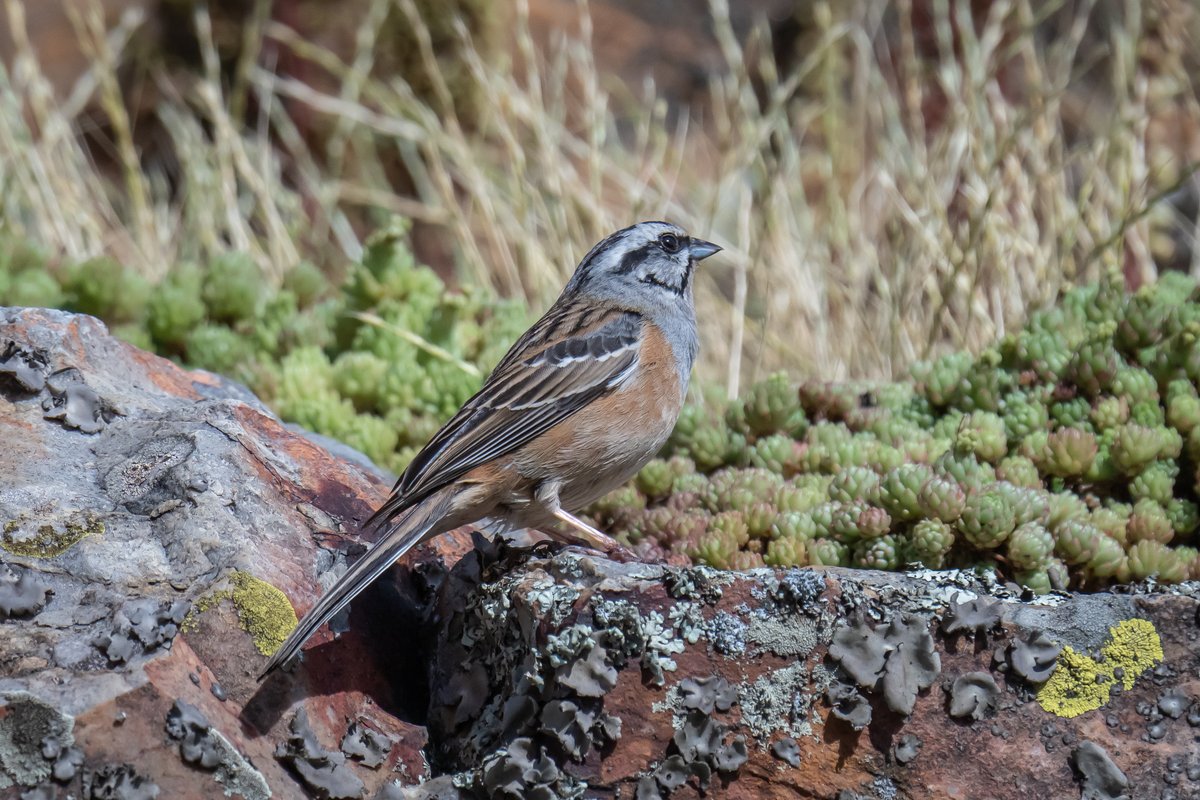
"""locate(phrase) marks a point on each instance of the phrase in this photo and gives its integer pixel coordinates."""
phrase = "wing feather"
(526, 395)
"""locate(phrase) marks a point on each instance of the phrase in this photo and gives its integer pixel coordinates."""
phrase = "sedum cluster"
(1065, 457)
(378, 360)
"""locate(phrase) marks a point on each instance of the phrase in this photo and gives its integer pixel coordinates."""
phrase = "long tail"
(413, 525)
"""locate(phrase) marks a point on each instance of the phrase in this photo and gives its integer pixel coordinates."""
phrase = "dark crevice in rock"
(394, 616)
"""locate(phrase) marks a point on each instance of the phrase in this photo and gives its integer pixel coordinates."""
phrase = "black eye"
(669, 242)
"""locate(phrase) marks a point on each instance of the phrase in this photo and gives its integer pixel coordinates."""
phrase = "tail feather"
(410, 529)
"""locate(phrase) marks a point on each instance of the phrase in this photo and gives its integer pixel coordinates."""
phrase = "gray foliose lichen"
(25, 723)
(203, 746)
(323, 772)
(898, 660)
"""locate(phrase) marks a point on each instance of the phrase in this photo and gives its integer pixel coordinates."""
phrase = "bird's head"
(644, 267)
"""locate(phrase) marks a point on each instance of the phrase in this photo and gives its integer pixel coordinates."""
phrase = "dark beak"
(701, 249)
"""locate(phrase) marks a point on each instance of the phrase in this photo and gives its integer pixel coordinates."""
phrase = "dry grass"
(885, 199)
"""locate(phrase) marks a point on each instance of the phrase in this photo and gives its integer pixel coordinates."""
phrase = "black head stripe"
(634, 258)
(653, 280)
(588, 265)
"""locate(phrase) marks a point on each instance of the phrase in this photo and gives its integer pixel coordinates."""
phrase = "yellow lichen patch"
(48, 541)
(263, 610)
(1135, 648)
(1078, 685)
(1081, 683)
(200, 606)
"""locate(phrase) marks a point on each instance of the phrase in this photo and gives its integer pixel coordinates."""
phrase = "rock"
(717, 682)
(155, 526)
(146, 567)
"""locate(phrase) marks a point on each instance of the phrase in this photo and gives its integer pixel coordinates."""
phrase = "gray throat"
(680, 332)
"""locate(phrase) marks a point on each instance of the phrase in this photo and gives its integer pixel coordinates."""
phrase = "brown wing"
(532, 389)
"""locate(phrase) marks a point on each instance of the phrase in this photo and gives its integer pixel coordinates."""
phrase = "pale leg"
(586, 533)
(580, 532)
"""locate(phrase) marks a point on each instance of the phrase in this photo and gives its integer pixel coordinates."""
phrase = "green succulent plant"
(929, 541)
(987, 518)
(1099, 404)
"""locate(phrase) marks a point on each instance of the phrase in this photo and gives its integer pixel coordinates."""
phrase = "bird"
(576, 407)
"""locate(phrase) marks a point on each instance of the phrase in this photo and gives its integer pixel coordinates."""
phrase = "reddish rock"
(189, 482)
(514, 644)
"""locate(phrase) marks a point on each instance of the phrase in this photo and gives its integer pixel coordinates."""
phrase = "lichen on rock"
(324, 772)
(727, 633)
(264, 611)
(118, 782)
(1034, 657)
(1134, 647)
(978, 615)
(1102, 779)
(186, 723)
(24, 368)
(776, 702)
(76, 405)
(973, 695)
(524, 769)
(141, 627)
(787, 750)
(847, 704)
(899, 660)
(643, 636)
(25, 722)
(21, 593)
(1082, 683)
(367, 745)
(203, 746)
(585, 667)
(907, 748)
(707, 694)
(47, 539)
